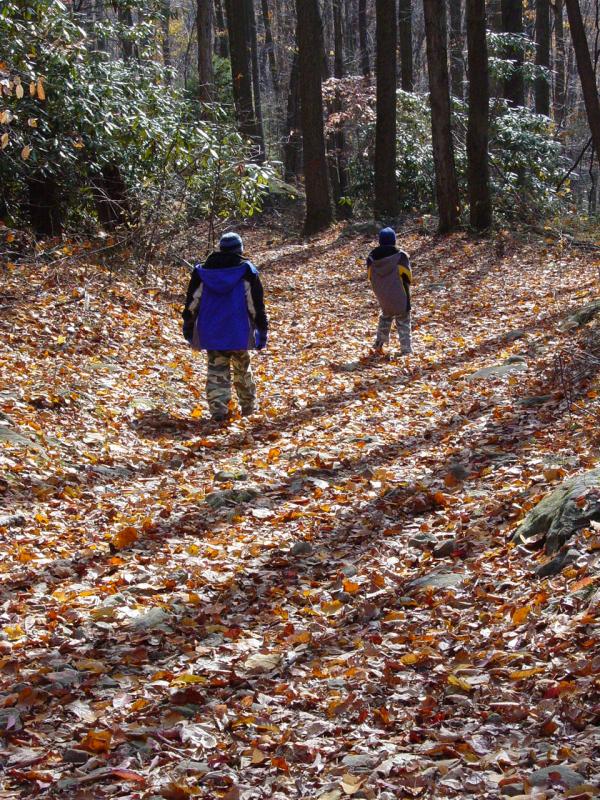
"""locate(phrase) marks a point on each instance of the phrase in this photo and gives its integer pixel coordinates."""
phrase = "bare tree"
(456, 48)
(512, 22)
(204, 24)
(363, 38)
(405, 35)
(542, 55)
(560, 86)
(386, 185)
(478, 171)
(441, 128)
(318, 200)
(586, 71)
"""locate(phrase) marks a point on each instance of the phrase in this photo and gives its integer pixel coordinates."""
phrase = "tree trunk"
(406, 44)
(560, 93)
(512, 22)
(128, 47)
(441, 127)
(110, 197)
(266, 15)
(386, 185)
(478, 170)
(456, 49)
(221, 37)
(166, 35)
(586, 71)
(542, 55)
(45, 213)
(206, 80)
(241, 66)
(363, 38)
(338, 167)
(292, 156)
(260, 135)
(318, 201)
(100, 19)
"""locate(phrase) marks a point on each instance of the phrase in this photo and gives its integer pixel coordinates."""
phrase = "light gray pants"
(402, 326)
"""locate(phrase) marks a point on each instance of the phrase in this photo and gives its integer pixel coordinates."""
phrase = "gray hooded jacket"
(390, 276)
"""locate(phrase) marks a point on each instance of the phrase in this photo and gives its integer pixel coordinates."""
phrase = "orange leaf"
(128, 775)
(520, 615)
(521, 674)
(97, 741)
(351, 587)
(124, 538)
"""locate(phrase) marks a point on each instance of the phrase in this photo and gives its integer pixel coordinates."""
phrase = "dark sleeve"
(405, 261)
(258, 298)
(192, 286)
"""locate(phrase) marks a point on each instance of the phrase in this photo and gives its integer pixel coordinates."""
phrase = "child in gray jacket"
(390, 275)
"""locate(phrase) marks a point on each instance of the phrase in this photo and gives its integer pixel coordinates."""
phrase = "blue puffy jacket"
(225, 305)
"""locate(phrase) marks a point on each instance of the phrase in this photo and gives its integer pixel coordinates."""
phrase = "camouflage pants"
(403, 328)
(218, 381)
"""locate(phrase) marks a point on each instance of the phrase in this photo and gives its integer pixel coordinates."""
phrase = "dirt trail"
(318, 601)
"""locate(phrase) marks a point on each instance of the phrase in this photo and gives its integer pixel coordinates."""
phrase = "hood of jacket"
(386, 265)
(224, 280)
(383, 251)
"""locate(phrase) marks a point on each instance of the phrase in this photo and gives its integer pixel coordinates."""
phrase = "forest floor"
(322, 600)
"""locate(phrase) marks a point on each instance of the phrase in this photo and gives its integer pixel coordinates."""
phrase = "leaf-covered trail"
(318, 601)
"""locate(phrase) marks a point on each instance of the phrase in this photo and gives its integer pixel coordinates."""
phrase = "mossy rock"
(229, 498)
(561, 514)
(583, 315)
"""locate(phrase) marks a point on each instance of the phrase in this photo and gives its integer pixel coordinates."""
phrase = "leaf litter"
(320, 601)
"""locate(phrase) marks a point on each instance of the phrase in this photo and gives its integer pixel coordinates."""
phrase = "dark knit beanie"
(231, 243)
(387, 236)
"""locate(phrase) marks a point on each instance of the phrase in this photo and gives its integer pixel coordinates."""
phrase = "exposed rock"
(558, 563)
(444, 548)
(438, 580)
(361, 761)
(231, 497)
(155, 617)
(16, 520)
(518, 333)
(582, 316)
(301, 549)
(534, 401)
(74, 756)
(424, 541)
(557, 772)
(227, 475)
(499, 370)
(561, 513)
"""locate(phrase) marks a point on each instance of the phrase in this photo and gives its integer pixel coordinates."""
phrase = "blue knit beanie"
(387, 236)
(231, 243)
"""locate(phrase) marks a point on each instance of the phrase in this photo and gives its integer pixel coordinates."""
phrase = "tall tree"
(560, 85)
(363, 39)
(441, 129)
(256, 96)
(222, 45)
(405, 36)
(316, 183)
(512, 22)
(386, 185)
(339, 170)
(478, 170)
(456, 48)
(542, 55)
(586, 71)
(241, 66)
(266, 16)
(204, 24)
(166, 33)
(292, 148)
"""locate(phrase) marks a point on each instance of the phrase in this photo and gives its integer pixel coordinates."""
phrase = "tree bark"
(260, 135)
(204, 22)
(586, 71)
(441, 127)
(512, 22)
(456, 49)
(318, 200)
(166, 35)
(222, 44)
(241, 66)
(542, 55)
(45, 212)
(363, 39)
(292, 155)
(386, 185)
(128, 46)
(338, 166)
(560, 93)
(266, 15)
(405, 34)
(478, 170)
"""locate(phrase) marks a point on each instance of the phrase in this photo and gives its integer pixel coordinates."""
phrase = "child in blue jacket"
(390, 276)
(225, 315)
